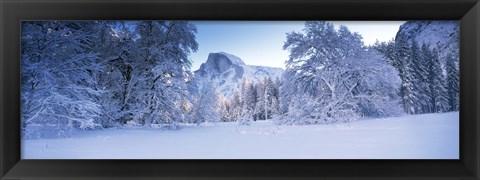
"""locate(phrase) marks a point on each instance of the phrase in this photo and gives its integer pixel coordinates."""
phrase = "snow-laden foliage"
(117, 48)
(428, 86)
(419, 73)
(99, 74)
(58, 74)
(439, 99)
(267, 100)
(205, 106)
(452, 83)
(93, 74)
(404, 64)
(257, 101)
(160, 74)
(334, 78)
(249, 102)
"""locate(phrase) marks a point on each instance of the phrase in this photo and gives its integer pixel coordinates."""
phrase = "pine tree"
(248, 104)
(269, 96)
(402, 62)
(225, 110)
(419, 79)
(286, 90)
(236, 106)
(452, 83)
(438, 79)
(260, 100)
(438, 94)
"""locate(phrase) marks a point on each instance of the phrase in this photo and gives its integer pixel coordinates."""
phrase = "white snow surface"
(429, 136)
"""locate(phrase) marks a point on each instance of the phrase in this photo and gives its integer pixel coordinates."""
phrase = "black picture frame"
(13, 11)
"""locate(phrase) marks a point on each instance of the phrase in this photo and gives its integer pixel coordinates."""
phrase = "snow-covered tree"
(249, 101)
(267, 100)
(418, 73)
(236, 106)
(114, 47)
(259, 110)
(83, 74)
(58, 70)
(428, 86)
(225, 109)
(452, 83)
(302, 109)
(438, 96)
(160, 85)
(377, 92)
(403, 63)
(206, 104)
(332, 70)
(286, 90)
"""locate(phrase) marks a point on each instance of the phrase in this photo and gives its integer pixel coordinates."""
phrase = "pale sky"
(261, 42)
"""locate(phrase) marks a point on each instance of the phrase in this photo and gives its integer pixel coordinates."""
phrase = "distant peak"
(232, 58)
(227, 72)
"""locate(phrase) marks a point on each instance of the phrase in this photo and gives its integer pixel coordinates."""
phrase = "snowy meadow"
(126, 90)
(430, 136)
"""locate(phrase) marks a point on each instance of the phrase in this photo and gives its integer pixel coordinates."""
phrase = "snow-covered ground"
(429, 136)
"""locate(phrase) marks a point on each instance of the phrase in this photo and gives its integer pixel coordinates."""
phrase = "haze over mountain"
(227, 72)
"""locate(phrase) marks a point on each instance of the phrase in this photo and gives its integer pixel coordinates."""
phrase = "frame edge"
(472, 165)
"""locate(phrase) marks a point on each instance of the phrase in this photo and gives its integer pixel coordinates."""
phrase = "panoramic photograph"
(240, 89)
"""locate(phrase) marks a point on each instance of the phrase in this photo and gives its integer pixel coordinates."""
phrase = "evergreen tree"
(266, 99)
(419, 79)
(248, 104)
(452, 84)
(438, 94)
(402, 61)
(236, 106)
(388, 49)
(259, 100)
(286, 91)
(224, 112)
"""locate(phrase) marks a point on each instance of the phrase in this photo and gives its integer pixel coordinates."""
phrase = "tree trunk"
(148, 120)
